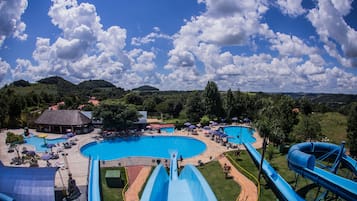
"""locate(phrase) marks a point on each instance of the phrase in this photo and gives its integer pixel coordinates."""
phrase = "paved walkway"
(132, 194)
(249, 190)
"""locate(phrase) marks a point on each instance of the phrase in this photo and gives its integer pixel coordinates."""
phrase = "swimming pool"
(38, 143)
(169, 130)
(144, 146)
(239, 134)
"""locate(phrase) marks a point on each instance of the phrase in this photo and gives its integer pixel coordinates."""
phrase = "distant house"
(58, 121)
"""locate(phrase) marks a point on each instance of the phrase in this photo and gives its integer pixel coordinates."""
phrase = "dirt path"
(132, 193)
(249, 191)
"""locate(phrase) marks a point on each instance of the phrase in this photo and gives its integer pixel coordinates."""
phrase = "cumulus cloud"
(291, 7)
(10, 19)
(225, 23)
(289, 45)
(4, 67)
(142, 60)
(330, 25)
(84, 50)
(150, 38)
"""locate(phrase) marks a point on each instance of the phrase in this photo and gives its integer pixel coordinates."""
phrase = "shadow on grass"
(306, 189)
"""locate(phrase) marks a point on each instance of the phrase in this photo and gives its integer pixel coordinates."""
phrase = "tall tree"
(3, 109)
(352, 130)
(116, 116)
(230, 105)
(212, 100)
(286, 117)
(305, 106)
(194, 107)
(308, 128)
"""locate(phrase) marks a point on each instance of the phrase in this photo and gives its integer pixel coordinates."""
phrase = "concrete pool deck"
(78, 164)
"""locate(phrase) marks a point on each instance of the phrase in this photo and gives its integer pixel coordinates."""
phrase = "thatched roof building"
(58, 121)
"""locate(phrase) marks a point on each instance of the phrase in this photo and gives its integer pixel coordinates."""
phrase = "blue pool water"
(239, 134)
(144, 146)
(167, 130)
(38, 143)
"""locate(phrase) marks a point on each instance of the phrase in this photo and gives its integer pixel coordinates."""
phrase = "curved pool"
(144, 146)
(239, 134)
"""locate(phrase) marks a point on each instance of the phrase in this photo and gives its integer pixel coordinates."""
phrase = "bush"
(12, 138)
(204, 120)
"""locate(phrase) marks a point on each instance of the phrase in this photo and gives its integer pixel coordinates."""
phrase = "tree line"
(281, 118)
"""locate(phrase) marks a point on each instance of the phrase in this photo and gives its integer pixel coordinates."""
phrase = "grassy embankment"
(112, 194)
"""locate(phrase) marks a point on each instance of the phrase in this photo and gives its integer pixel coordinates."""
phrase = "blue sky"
(270, 46)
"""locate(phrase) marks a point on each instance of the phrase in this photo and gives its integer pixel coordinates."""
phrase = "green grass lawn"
(333, 126)
(111, 194)
(304, 187)
(224, 189)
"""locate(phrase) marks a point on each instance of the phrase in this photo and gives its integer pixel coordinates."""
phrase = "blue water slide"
(281, 188)
(190, 185)
(302, 161)
(173, 166)
(93, 181)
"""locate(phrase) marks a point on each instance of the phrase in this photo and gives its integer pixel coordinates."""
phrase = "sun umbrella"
(235, 119)
(187, 124)
(43, 135)
(50, 145)
(46, 157)
(246, 120)
(192, 127)
(31, 153)
(207, 128)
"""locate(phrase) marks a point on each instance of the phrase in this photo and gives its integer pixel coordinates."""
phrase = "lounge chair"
(67, 145)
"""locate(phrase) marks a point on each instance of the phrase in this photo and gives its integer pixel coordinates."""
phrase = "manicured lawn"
(224, 189)
(304, 187)
(333, 126)
(111, 194)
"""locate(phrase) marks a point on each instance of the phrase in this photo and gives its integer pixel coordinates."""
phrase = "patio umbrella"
(50, 146)
(246, 120)
(187, 124)
(69, 134)
(235, 119)
(43, 135)
(46, 157)
(224, 135)
(192, 127)
(207, 128)
(30, 153)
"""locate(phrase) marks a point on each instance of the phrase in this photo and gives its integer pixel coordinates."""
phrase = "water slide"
(302, 160)
(190, 185)
(281, 188)
(93, 181)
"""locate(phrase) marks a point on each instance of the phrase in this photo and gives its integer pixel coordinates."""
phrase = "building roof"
(63, 118)
(28, 184)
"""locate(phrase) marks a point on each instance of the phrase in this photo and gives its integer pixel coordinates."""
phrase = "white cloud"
(150, 38)
(84, 50)
(142, 60)
(4, 67)
(334, 31)
(289, 45)
(343, 6)
(10, 19)
(291, 7)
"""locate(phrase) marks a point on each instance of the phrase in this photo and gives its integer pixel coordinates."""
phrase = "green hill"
(146, 88)
(93, 84)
